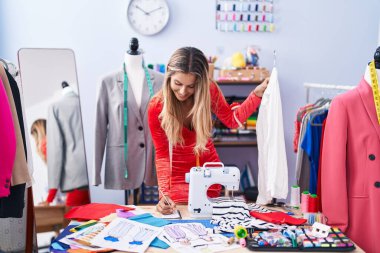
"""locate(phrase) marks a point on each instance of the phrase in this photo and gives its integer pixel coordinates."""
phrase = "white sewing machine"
(201, 178)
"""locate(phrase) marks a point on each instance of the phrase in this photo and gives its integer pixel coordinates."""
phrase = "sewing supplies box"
(336, 241)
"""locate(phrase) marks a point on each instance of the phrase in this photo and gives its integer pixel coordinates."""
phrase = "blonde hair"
(187, 60)
(38, 131)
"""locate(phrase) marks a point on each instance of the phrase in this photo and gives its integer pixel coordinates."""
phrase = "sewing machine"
(201, 178)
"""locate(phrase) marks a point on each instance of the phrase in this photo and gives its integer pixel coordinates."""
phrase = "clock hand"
(138, 7)
(159, 8)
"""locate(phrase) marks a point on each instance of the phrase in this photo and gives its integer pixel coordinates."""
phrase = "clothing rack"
(309, 86)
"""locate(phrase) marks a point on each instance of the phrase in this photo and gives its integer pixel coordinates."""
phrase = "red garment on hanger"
(94, 211)
(278, 218)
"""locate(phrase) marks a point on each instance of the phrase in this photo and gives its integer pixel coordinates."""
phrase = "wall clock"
(148, 17)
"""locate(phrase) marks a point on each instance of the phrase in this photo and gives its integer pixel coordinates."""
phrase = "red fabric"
(51, 196)
(319, 185)
(78, 197)
(278, 218)
(183, 158)
(297, 125)
(93, 211)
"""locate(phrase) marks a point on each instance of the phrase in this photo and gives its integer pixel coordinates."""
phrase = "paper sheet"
(175, 215)
(194, 238)
(126, 235)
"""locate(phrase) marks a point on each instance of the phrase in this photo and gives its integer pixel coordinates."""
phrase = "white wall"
(316, 41)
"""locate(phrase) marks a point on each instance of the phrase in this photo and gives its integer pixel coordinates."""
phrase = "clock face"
(148, 17)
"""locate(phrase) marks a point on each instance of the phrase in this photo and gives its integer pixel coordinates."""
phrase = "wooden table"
(185, 215)
(50, 218)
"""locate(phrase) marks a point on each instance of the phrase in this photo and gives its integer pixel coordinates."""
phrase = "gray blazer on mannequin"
(66, 159)
(109, 134)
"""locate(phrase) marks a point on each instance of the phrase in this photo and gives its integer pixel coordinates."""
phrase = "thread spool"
(305, 201)
(295, 196)
(313, 203)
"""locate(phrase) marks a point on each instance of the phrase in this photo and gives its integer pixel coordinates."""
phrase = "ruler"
(375, 89)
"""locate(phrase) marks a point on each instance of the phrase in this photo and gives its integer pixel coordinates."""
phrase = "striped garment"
(227, 213)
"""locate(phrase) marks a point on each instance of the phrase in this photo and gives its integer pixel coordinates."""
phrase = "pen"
(165, 199)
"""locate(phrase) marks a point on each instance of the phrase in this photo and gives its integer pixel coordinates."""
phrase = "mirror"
(53, 116)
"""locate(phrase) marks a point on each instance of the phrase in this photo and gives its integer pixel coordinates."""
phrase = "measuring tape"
(375, 88)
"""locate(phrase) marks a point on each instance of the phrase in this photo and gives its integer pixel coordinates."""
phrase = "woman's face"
(183, 85)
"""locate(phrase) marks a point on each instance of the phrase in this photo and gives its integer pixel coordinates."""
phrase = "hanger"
(274, 58)
(4, 63)
(321, 110)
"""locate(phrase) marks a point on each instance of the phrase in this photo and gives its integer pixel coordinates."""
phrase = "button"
(6, 185)
(140, 128)
(142, 145)
(377, 184)
(7, 180)
(371, 157)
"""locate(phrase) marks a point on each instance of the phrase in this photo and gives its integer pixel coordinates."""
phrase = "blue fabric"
(149, 219)
(56, 245)
(311, 144)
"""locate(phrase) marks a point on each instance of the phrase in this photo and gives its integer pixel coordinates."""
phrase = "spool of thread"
(313, 203)
(305, 201)
(295, 196)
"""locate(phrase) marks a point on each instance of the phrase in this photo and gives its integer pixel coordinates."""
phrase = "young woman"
(180, 123)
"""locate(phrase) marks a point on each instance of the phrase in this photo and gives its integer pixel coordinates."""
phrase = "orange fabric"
(183, 158)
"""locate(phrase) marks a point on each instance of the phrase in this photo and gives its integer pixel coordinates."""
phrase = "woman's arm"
(161, 145)
(224, 112)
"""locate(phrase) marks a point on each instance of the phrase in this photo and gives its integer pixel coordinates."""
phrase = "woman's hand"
(259, 90)
(164, 207)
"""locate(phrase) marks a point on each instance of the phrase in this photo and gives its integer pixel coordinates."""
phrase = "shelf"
(231, 82)
(235, 142)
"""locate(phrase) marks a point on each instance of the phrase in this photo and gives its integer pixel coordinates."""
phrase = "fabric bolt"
(171, 179)
(350, 167)
(109, 134)
(20, 173)
(94, 211)
(66, 158)
(7, 145)
(273, 168)
(227, 214)
(311, 145)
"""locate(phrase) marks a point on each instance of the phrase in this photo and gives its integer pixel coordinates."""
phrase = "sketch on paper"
(82, 239)
(194, 237)
(119, 231)
(126, 235)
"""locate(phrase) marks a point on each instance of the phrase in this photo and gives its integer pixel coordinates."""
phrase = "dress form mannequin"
(66, 88)
(133, 63)
(367, 74)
